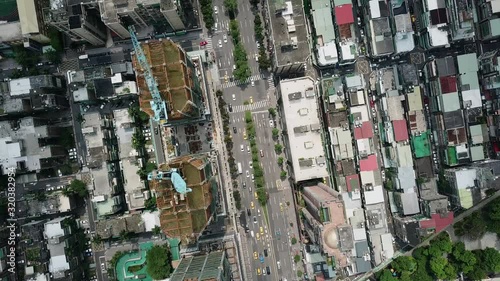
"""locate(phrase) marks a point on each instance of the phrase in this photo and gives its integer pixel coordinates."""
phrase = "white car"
(252, 83)
(256, 57)
(248, 148)
(271, 123)
(216, 11)
(258, 45)
(225, 38)
(253, 178)
(248, 174)
(220, 43)
(234, 97)
(250, 164)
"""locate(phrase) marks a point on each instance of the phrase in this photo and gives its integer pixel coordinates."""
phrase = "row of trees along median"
(228, 140)
(258, 172)
(242, 71)
(264, 61)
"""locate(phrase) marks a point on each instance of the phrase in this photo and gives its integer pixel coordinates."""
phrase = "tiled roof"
(448, 84)
(363, 132)
(368, 164)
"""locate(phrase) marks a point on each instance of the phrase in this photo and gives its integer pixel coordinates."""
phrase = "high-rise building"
(163, 15)
(177, 79)
(78, 19)
(31, 17)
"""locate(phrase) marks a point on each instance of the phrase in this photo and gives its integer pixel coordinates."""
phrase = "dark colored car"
(230, 108)
(235, 130)
(268, 270)
(265, 252)
(248, 212)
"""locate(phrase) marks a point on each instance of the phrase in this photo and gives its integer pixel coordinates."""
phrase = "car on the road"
(230, 107)
(220, 44)
(257, 236)
(255, 195)
(216, 10)
(258, 45)
(383, 175)
(235, 130)
(253, 178)
(248, 148)
(261, 230)
(254, 219)
(103, 266)
(268, 270)
(281, 206)
(278, 234)
(250, 164)
(249, 213)
(203, 43)
(265, 252)
(234, 97)
(271, 123)
(256, 57)
(234, 66)
(252, 83)
(251, 98)
(255, 256)
(248, 174)
(279, 265)
(244, 135)
(244, 184)
(261, 258)
(258, 271)
(242, 148)
(261, 153)
(224, 38)
(252, 206)
(263, 271)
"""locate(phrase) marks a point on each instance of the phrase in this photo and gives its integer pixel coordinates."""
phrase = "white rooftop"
(124, 131)
(20, 86)
(304, 127)
(495, 6)
(465, 178)
(328, 54)
(438, 35)
(405, 157)
(360, 113)
(374, 196)
(472, 99)
(435, 4)
(53, 228)
(342, 143)
(346, 50)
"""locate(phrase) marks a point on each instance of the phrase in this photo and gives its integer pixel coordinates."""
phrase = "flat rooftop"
(124, 131)
(304, 129)
(288, 25)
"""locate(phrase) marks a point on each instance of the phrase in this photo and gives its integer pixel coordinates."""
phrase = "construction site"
(184, 214)
(178, 81)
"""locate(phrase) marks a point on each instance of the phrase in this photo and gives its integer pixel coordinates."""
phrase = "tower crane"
(157, 103)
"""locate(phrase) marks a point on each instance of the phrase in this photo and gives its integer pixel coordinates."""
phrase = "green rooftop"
(451, 156)
(467, 63)
(421, 145)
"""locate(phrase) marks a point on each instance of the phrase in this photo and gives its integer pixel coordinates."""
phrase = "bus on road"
(240, 171)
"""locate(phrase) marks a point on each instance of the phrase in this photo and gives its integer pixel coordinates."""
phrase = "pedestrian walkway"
(271, 89)
(250, 107)
(209, 45)
(237, 83)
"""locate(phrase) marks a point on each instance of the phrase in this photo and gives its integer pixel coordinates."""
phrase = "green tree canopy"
(404, 263)
(78, 188)
(231, 6)
(278, 148)
(159, 263)
(490, 259)
(53, 56)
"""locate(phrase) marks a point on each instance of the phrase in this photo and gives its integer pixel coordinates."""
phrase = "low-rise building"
(326, 48)
(433, 24)
(347, 41)
(487, 14)
(302, 129)
(379, 32)
(403, 39)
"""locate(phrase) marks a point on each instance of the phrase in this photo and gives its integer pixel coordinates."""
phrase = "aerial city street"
(219, 140)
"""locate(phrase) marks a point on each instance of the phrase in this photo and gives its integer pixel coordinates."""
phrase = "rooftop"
(450, 102)
(304, 129)
(364, 131)
(446, 66)
(421, 145)
(369, 164)
(400, 130)
(381, 37)
(11, 31)
(467, 63)
(212, 266)
(344, 14)
(323, 21)
(290, 42)
(448, 84)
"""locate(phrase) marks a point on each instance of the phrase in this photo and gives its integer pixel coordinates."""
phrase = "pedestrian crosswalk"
(237, 83)
(209, 45)
(270, 81)
(250, 107)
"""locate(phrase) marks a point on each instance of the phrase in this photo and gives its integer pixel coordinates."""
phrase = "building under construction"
(186, 205)
(177, 79)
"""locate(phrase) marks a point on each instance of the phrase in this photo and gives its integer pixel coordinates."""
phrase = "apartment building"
(33, 26)
(433, 24)
(488, 20)
(378, 27)
(79, 20)
(347, 41)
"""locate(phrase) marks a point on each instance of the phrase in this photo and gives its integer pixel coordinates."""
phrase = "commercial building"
(22, 145)
(213, 266)
(378, 27)
(79, 20)
(290, 47)
(103, 177)
(433, 24)
(178, 79)
(33, 26)
(326, 49)
(302, 129)
(162, 15)
(346, 28)
(25, 96)
(326, 223)
(403, 39)
(487, 14)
